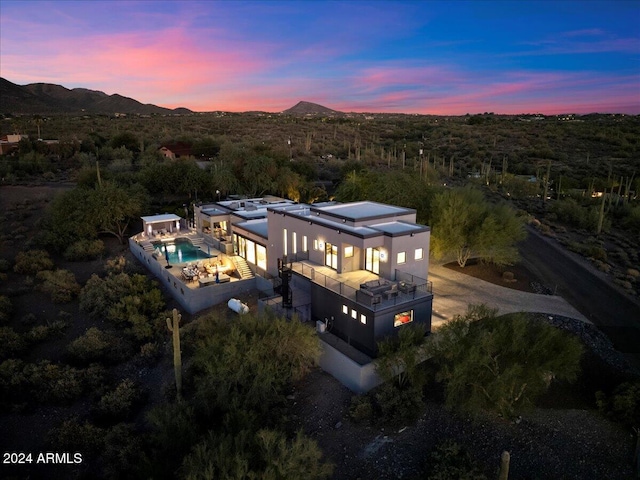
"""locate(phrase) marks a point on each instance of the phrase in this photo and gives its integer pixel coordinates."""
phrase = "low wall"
(357, 378)
(192, 300)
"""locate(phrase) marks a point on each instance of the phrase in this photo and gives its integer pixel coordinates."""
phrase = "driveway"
(453, 292)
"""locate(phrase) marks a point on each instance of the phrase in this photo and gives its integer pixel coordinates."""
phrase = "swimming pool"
(180, 250)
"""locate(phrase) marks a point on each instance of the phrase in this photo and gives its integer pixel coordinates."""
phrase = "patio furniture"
(407, 287)
(392, 292)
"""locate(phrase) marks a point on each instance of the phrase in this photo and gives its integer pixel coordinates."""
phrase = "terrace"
(364, 287)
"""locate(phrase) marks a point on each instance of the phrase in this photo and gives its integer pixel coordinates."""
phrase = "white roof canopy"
(166, 217)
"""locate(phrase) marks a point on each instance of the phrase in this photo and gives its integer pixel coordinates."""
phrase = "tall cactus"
(174, 327)
(504, 466)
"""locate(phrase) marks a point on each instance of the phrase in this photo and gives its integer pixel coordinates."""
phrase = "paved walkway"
(453, 291)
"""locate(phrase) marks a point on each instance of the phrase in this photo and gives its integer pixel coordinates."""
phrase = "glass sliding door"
(331, 255)
(372, 260)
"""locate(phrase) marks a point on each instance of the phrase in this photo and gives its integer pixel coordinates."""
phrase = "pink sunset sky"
(428, 57)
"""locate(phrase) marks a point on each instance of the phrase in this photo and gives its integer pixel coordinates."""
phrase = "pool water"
(180, 250)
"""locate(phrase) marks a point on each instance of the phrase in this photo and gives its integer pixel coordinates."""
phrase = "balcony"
(364, 287)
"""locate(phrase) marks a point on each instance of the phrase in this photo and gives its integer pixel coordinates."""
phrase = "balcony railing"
(409, 288)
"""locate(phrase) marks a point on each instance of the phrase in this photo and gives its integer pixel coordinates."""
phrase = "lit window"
(294, 243)
(304, 243)
(284, 240)
(348, 251)
(354, 314)
(315, 244)
(402, 257)
(419, 254)
(345, 309)
(363, 319)
(403, 318)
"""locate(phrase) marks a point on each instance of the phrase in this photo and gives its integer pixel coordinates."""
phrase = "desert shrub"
(45, 382)
(449, 460)
(149, 351)
(96, 345)
(116, 265)
(6, 308)
(121, 454)
(84, 250)
(74, 436)
(361, 408)
(501, 364)
(623, 405)
(261, 454)
(120, 403)
(42, 332)
(4, 265)
(11, 343)
(129, 301)
(398, 363)
(31, 262)
(60, 284)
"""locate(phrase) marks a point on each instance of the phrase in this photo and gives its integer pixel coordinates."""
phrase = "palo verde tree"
(465, 225)
(500, 364)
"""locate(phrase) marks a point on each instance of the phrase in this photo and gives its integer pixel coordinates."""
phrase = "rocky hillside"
(46, 98)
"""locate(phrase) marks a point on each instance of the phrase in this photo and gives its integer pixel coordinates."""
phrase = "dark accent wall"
(327, 305)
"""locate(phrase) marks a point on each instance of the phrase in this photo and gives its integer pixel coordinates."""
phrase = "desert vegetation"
(83, 330)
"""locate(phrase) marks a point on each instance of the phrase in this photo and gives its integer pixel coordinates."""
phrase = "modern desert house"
(357, 269)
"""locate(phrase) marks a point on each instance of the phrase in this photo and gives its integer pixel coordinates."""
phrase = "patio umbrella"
(217, 275)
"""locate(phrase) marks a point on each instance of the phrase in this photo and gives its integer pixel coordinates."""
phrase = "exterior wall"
(357, 378)
(192, 300)
(407, 244)
(328, 307)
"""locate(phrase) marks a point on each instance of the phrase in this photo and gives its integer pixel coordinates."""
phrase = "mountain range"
(48, 98)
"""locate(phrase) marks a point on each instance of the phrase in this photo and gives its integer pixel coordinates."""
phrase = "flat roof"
(165, 217)
(398, 227)
(258, 227)
(213, 211)
(358, 211)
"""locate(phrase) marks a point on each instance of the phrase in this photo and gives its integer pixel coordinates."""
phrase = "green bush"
(46, 382)
(361, 408)
(74, 436)
(120, 403)
(42, 332)
(6, 308)
(501, 364)
(84, 250)
(4, 265)
(11, 343)
(96, 345)
(116, 265)
(623, 405)
(31, 262)
(60, 284)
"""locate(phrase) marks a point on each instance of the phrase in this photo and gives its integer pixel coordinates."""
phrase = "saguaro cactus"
(174, 327)
(504, 466)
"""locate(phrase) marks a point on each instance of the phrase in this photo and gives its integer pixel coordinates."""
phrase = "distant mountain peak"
(310, 108)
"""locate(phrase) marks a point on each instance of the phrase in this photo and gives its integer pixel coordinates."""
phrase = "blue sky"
(426, 57)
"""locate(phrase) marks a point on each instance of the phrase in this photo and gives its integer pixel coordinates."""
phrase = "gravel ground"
(546, 443)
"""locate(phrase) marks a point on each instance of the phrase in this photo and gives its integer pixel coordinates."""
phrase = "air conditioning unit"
(321, 326)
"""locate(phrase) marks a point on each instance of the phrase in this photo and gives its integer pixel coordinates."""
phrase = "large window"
(261, 256)
(419, 254)
(251, 251)
(402, 257)
(403, 318)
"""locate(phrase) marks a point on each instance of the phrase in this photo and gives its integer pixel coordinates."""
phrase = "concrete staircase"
(242, 267)
(197, 241)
